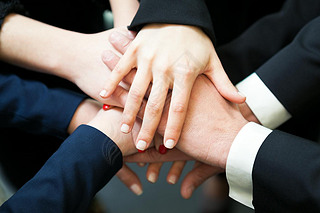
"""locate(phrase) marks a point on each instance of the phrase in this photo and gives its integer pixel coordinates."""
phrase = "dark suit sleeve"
(33, 107)
(185, 12)
(266, 37)
(286, 175)
(84, 163)
(293, 74)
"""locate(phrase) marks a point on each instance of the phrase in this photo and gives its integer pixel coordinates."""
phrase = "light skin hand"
(74, 56)
(85, 112)
(211, 125)
(162, 55)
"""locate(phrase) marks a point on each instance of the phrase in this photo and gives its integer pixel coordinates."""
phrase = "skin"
(70, 55)
(168, 64)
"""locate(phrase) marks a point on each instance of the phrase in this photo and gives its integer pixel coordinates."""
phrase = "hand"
(108, 122)
(87, 69)
(70, 55)
(162, 53)
(85, 112)
(211, 125)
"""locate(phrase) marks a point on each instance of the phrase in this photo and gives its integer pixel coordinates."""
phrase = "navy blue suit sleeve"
(32, 107)
(286, 175)
(84, 163)
(185, 12)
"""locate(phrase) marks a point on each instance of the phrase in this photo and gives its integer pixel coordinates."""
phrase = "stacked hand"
(171, 57)
(211, 123)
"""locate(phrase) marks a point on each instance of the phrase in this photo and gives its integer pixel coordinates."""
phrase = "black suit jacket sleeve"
(185, 12)
(33, 107)
(293, 74)
(266, 37)
(286, 175)
(10, 6)
(68, 181)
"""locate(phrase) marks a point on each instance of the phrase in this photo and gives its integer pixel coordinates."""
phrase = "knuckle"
(179, 108)
(189, 73)
(154, 108)
(136, 95)
(147, 57)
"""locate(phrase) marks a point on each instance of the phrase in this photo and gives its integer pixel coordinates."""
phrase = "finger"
(224, 86)
(175, 171)
(152, 114)
(110, 59)
(153, 172)
(124, 66)
(158, 144)
(177, 112)
(141, 164)
(120, 41)
(118, 98)
(134, 99)
(196, 177)
(130, 179)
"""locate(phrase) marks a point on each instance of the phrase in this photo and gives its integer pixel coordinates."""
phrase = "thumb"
(224, 86)
(120, 41)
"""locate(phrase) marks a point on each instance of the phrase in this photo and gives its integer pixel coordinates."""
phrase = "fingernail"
(125, 128)
(172, 179)
(141, 151)
(107, 55)
(131, 34)
(141, 145)
(114, 37)
(103, 93)
(141, 164)
(105, 107)
(136, 189)
(241, 94)
(152, 177)
(162, 149)
(169, 144)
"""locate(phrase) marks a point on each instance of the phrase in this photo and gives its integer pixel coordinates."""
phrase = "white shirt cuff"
(262, 102)
(241, 159)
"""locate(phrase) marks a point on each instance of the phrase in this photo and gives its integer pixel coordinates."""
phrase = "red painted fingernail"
(141, 151)
(162, 149)
(105, 107)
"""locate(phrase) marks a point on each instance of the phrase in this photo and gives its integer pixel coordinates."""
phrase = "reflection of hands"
(162, 53)
(194, 178)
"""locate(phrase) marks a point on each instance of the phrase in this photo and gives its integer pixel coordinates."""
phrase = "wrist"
(108, 122)
(85, 112)
(228, 141)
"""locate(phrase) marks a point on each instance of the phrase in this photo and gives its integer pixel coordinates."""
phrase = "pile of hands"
(170, 101)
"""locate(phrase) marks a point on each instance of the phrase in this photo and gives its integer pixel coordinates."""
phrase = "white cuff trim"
(241, 159)
(265, 106)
